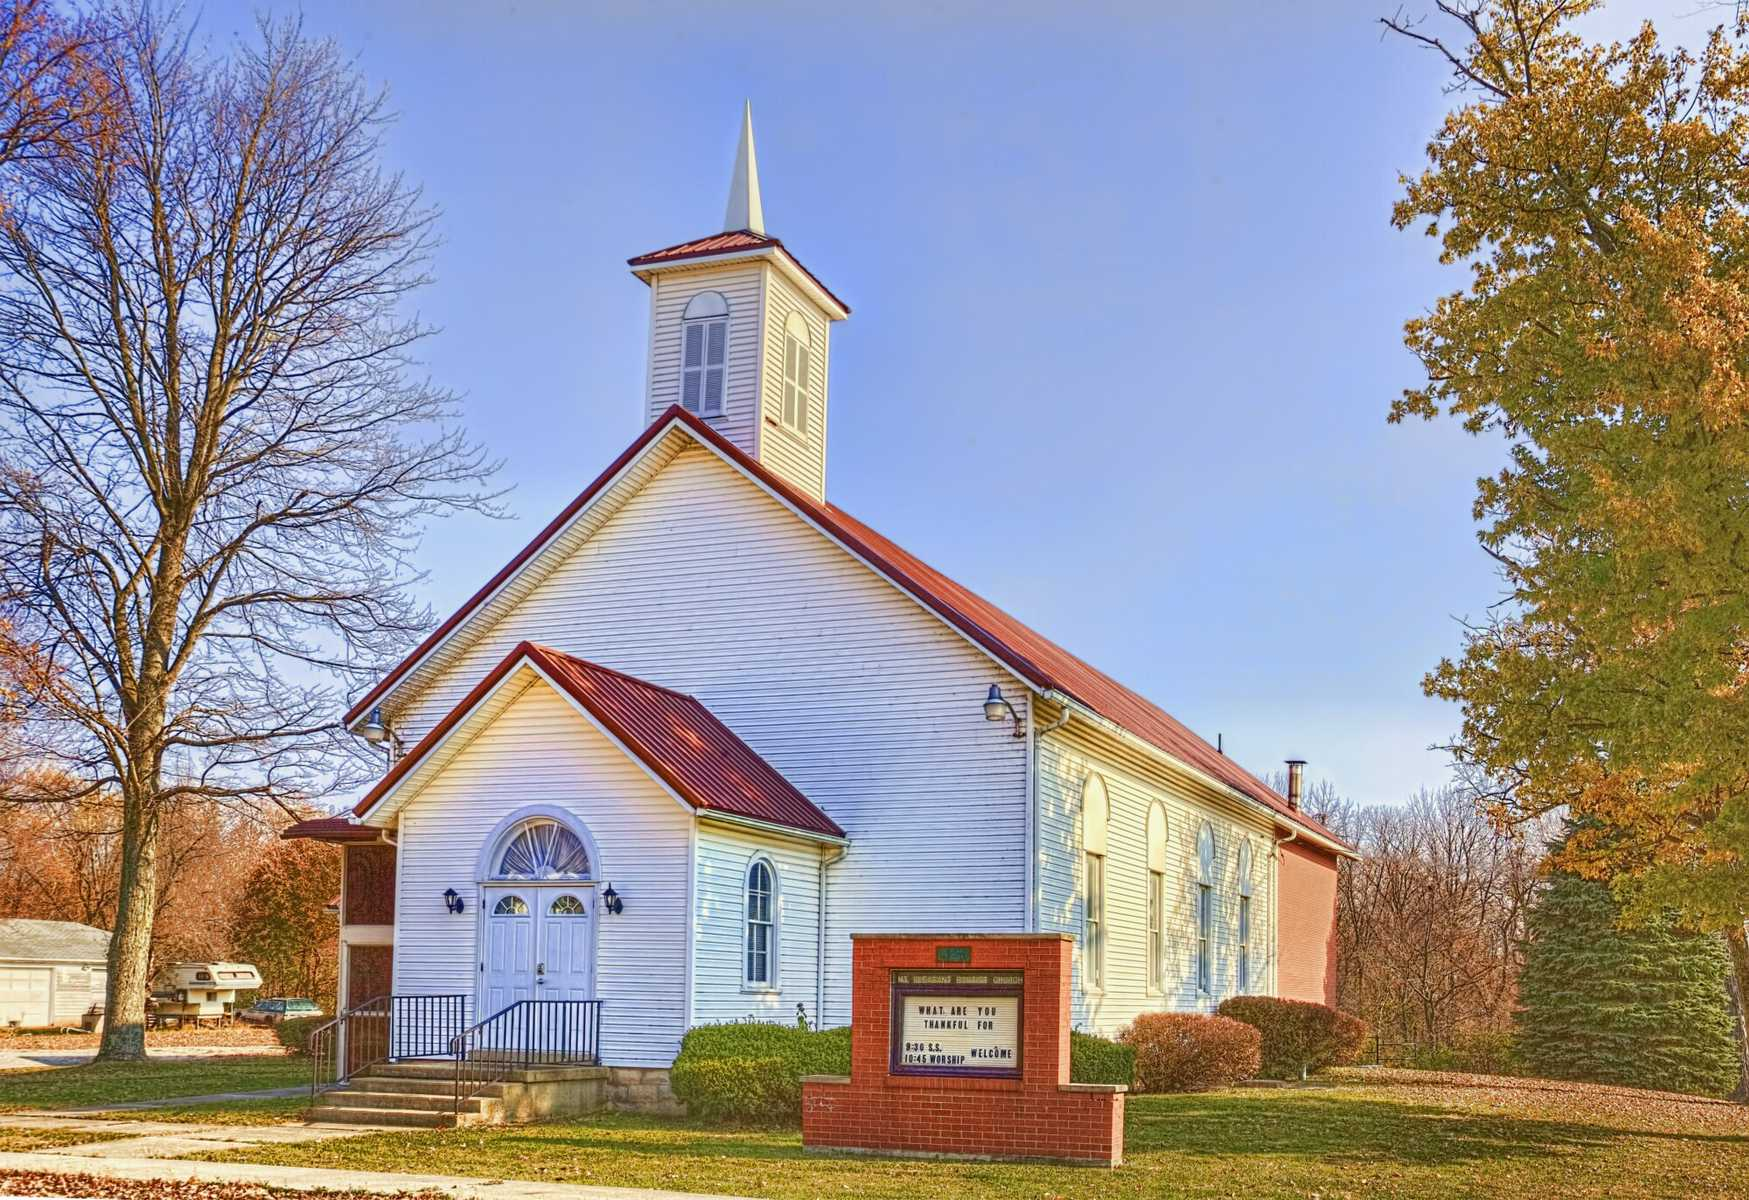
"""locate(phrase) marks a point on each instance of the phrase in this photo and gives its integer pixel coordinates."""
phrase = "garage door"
(24, 995)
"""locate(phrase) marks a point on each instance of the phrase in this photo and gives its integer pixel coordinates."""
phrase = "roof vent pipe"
(1296, 779)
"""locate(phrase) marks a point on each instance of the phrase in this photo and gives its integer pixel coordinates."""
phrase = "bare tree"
(215, 450)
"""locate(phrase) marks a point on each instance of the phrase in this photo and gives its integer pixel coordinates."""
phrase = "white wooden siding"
(539, 750)
(866, 702)
(1065, 759)
(799, 458)
(741, 285)
(719, 903)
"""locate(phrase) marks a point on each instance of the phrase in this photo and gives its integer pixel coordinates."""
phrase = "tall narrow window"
(1244, 916)
(760, 927)
(1096, 920)
(704, 351)
(795, 373)
(1156, 898)
(1156, 930)
(1095, 816)
(1205, 909)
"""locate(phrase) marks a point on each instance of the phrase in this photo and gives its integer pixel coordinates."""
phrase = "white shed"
(51, 972)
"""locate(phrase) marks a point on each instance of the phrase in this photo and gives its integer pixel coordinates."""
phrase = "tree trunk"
(1738, 983)
(130, 949)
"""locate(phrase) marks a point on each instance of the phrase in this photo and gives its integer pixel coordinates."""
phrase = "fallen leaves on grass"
(1557, 1099)
(235, 1035)
(41, 1183)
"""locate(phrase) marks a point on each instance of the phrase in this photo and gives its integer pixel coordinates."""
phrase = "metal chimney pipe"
(1296, 780)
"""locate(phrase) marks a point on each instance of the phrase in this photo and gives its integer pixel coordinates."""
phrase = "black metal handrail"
(382, 1028)
(528, 1033)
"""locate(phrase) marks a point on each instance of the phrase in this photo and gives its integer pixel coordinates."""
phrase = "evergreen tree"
(1644, 1006)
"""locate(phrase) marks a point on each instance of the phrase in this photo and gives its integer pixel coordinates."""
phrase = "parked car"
(280, 1008)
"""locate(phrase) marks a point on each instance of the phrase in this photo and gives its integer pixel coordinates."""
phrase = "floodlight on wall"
(373, 729)
(997, 708)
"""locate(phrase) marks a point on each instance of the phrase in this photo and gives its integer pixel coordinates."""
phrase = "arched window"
(510, 906)
(1157, 897)
(567, 906)
(704, 351)
(761, 955)
(796, 354)
(1245, 916)
(1095, 816)
(1205, 907)
(542, 849)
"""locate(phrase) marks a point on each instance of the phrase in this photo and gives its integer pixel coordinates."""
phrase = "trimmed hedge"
(752, 1071)
(1189, 1052)
(294, 1034)
(1095, 1059)
(1298, 1037)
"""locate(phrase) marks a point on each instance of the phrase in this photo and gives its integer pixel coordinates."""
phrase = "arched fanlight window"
(704, 353)
(797, 350)
(543, 850)
(510, 906)
(567, 905)
(761, 935)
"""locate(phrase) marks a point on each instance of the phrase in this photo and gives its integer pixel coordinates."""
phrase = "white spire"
(745, 211)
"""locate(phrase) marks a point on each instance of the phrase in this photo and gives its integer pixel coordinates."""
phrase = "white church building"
(707, 725)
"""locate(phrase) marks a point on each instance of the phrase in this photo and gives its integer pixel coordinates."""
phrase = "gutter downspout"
(820, 946)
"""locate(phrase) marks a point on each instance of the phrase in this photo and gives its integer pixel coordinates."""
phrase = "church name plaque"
(956, 1023)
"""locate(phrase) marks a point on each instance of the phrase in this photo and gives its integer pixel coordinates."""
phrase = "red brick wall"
(370, 885)
(1040, 1115)
(1306, 941)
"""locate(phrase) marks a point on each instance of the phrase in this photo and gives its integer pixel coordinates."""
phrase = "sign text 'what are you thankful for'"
(957, 1022)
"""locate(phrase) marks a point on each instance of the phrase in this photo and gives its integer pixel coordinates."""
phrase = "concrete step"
(415, 1087)
(415, 1068)
(340, 1114)
(425, 1102)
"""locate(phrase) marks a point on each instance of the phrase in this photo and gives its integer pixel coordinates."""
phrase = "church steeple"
(740, 333)
(745, 211)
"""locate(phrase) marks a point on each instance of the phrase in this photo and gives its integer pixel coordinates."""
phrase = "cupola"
(740, 334)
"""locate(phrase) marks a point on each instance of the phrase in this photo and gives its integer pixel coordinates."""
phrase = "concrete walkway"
(171, 1139)
(77, 1161)
(17, 1060)
(184, 1101)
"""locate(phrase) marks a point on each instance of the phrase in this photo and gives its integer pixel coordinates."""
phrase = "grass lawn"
(13, 1141)
(1421, 1136)
(164, 1078)
(226, 1112)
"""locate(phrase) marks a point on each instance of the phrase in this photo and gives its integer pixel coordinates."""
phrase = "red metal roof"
(740, 241)
(672, 734)
(1027, 653)
(331, 829)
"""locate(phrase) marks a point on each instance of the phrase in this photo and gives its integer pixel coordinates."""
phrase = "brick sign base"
(1035, 1114)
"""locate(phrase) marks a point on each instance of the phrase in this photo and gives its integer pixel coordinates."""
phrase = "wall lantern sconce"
(452, 901)
(997, 708)
(611, 902)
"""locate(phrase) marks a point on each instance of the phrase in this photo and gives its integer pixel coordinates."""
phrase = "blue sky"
(1127, 311)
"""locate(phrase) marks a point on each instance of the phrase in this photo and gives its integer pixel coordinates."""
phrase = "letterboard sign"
(956, 1023)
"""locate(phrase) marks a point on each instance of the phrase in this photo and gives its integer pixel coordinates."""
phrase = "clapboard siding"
(742, 287)
(866, 702)
(1065, 760)
(719, 906)
(799, 458)
(540, 751)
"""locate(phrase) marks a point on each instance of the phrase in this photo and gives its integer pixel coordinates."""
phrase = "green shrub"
(752, 1071)
(294, 1034)
(1482, 1052)
(1190, 1052)
(1095, 1059)
(1298, 1037)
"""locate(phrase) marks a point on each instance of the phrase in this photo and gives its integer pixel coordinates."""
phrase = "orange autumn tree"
(1595, 195)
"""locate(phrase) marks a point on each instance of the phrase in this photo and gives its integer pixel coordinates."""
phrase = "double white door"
(539, 945)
